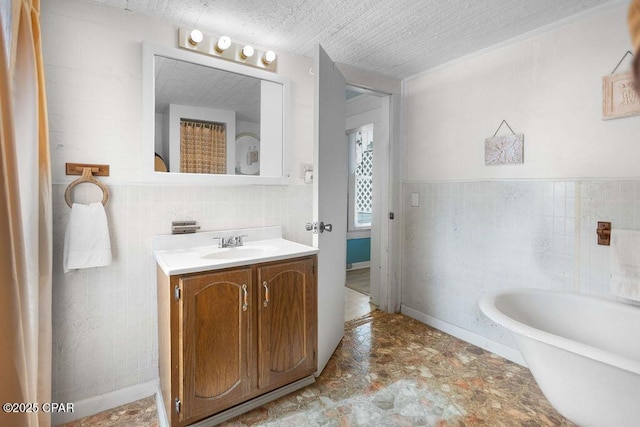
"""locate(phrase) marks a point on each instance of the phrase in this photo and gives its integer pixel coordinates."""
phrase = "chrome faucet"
(231, 242)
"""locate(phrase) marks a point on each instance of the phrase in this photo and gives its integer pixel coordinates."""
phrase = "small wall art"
(619, 98)
(504, 149)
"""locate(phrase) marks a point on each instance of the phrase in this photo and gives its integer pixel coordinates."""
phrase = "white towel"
(86, 242)
(625, 263)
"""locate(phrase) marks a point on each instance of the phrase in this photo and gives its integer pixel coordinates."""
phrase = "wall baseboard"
(96, 404)
(465, 335)
(239, 409)
(359, 265)
(163, 419)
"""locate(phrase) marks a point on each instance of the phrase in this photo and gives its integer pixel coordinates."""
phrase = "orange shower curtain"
(203, 147)
(25, 221)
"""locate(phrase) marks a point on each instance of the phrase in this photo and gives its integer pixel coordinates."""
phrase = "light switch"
(415, 200)
(308, 177)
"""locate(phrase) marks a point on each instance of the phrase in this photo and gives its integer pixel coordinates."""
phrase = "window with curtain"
(361, 181)
(203, 147)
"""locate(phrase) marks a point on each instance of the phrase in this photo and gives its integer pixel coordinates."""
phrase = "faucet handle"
(239, 239)
(220, 241)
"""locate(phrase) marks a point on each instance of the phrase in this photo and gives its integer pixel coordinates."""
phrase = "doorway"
(367, 137)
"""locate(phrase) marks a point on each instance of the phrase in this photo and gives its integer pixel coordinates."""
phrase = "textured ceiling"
(396, 38)
(184, 83)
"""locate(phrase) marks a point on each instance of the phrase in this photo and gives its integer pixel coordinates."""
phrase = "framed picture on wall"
(619, 98)
(504, 150)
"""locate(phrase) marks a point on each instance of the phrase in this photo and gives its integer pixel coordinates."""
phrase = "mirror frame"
(147, 152)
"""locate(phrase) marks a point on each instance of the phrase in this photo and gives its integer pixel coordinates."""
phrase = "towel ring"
(87, 176)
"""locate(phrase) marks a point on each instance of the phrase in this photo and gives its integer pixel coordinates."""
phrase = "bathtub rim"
(488, 307)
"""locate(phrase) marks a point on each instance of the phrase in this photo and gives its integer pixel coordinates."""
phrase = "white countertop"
(179, 259)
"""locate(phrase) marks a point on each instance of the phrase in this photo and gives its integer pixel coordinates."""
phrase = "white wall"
(104, 331)
(271, 135)
(161, 135)
(548, 87)
(482, 229)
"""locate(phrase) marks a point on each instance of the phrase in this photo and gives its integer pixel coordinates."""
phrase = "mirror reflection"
(212, 121)
(247, 154)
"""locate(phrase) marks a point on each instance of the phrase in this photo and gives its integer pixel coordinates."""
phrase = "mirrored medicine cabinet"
(210, 121)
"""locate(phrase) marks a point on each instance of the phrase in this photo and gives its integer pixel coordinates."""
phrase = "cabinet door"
(215, 341)
(287, 322)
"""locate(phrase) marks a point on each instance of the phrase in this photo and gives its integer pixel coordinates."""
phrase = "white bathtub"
(584, 352)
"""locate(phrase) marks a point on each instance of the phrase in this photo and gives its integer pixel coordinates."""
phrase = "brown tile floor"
(141, 413)
(390, 370)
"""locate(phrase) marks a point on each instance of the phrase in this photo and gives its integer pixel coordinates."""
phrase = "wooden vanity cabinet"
(228, 336)
(287, 322)
(215, 332)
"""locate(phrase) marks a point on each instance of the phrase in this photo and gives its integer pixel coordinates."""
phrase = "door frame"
(391, 250)
(379, 118)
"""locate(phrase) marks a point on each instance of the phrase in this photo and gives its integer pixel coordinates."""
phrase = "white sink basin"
(181, 254)
(241, 252)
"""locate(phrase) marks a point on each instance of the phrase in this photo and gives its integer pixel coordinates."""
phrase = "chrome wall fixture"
(224, 47)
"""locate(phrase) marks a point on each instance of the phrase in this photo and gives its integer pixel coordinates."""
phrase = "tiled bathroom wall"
(617, 202)
(466, 239)
(104, 330)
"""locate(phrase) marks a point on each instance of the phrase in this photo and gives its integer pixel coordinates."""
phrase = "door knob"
(325, 227)
(318, 228)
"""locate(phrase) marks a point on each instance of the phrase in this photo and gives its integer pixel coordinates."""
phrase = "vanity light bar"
(224, 47)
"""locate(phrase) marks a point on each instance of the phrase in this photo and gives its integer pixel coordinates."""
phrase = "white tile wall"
(470, 238)
(465, 239)
(104, 327)
(614, 201)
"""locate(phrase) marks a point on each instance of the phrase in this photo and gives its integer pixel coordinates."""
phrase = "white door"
(329, 202)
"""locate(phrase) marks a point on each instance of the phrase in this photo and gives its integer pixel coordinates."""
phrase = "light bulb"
(195, 37)
(223, 44)
(247, 52)
(269, 57)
